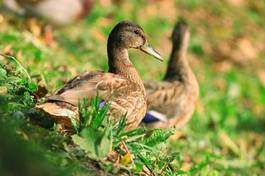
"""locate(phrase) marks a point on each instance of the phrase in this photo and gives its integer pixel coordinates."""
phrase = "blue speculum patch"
(149, 118)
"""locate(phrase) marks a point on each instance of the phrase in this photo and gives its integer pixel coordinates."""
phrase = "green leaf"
(158, 136)
(105, 145)
(2, 74)
(145, 160)
(84, 113)
(134, 132)
(74, 123)
(121, 125)
(86, 143)
(100, 116)
(32, 87)
(95, 143)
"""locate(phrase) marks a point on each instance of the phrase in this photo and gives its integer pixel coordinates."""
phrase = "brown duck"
(122, 87)
(171, 102)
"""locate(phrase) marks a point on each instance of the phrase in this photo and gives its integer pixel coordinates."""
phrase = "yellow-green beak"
(147, 48)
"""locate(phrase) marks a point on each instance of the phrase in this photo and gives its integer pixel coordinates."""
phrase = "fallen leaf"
(220, 84)
(8, 50)
(177, 135)
(2, 18)
(34, 27)
(223, 66)
(3, 90)
(187, 163)
(246, 48)
(105, 3)
(261, 76)
(237, 3)
(126, 159)
(186, 166)
(41, 91)
(48, 37)
(97, 34)
(226, 141)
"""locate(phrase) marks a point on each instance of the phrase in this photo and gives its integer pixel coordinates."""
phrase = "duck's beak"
(147, 48)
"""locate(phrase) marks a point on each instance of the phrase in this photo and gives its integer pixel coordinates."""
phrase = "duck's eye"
(136, 32)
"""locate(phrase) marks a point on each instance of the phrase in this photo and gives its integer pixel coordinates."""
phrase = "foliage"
(98, 138)
(94, 133)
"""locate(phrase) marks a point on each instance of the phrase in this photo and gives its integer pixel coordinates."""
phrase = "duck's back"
(164, 96)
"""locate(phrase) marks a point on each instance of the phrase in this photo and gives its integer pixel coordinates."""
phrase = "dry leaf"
(8, 50)
(2, 18)
(220, 84)
(3, 90)
(226, 141)
(222, 66)
(126, 159)
(97, 34)
(34, 27)
(187, 164)
(177, 135)
(41, 91)
(247, 49)
(261, 76)
(237, 3)
(105, 3)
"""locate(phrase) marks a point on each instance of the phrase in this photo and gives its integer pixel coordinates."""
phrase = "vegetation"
(225, 135)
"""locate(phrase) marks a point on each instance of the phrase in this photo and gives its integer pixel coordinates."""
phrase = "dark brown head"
(180, 35)
(178, 65)
(129, 35)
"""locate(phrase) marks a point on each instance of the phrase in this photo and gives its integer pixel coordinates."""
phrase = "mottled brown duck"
(171, 102)
(59, 12)
(121, 86)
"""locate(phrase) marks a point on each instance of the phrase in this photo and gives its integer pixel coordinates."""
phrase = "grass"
(225, 135)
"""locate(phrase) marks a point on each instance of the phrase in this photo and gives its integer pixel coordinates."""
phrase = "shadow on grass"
(252, 124)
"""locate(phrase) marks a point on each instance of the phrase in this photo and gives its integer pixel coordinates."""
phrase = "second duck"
(171, 102)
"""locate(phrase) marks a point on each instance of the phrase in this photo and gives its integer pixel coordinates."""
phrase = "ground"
(226, 133)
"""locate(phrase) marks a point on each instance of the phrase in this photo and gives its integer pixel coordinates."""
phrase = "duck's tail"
(54, 112)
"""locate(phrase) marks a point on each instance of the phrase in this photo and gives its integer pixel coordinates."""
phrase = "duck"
(171, 102)
(121, 86)
(57, 12)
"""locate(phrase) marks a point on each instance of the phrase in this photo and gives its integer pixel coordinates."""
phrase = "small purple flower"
(102, 104)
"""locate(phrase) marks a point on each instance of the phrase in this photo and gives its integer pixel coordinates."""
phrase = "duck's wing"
(130, 103)
(107, 85)
(162, 93)
(125, 97)
(173, 99)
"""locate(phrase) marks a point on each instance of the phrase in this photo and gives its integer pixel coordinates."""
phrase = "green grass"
(225, 135)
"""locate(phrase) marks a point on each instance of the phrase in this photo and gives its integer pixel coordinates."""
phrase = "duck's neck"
(178, 67)
(120, 64)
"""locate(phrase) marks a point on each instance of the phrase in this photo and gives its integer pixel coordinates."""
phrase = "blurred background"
(226, 53)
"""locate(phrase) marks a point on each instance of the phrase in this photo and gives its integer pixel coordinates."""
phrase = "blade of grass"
(18, 63)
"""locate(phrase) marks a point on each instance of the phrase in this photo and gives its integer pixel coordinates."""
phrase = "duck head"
(129, 35)
(180, 35)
